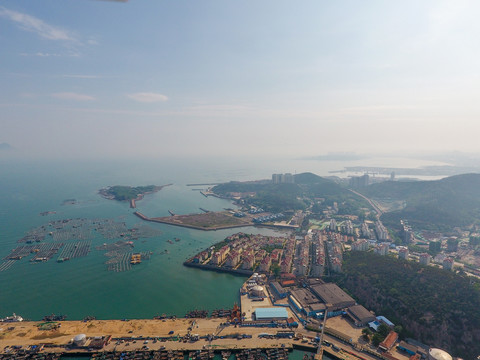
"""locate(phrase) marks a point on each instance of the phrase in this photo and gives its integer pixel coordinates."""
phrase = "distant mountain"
(450, 202)
(5, 146)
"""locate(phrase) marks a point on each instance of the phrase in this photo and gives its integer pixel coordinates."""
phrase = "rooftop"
(332, 295)
(304, 297)
(271, 313)
(360, 313)
(389, 341)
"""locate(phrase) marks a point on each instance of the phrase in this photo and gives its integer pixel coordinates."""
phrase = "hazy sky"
(155, 78)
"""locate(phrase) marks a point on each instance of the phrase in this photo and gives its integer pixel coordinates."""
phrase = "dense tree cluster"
(436, 306)
(435, 205)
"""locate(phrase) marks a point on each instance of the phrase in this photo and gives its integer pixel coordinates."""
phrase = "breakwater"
(241, 272)
(175, 221)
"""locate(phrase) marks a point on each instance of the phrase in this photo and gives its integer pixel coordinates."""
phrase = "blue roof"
(385, 320)
(271, 313)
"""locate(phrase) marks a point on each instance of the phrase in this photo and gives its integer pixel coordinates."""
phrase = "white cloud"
(72, 96)
(147, 97)
(45, 54)
(38, 26)
(82, 76)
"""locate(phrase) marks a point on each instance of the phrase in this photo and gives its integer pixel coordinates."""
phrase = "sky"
(89, 78)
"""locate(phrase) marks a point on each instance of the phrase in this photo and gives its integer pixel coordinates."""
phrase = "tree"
(377, 338)
(383, 330)
(366, 334)
(399, 330)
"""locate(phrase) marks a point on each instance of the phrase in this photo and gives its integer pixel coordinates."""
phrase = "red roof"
(288, 282)
(389, 341)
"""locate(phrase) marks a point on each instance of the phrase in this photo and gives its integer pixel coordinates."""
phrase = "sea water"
(83, 286)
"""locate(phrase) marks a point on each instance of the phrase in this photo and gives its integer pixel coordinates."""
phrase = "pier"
(133, 204)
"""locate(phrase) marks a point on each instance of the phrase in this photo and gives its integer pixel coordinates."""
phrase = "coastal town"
(284, 304)
(288, 300)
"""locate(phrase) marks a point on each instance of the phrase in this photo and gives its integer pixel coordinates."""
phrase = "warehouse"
(304, 301)
(268, 314)
(278, 290)
(333, 297)
(359, 315)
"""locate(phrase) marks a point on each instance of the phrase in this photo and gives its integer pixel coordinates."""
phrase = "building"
(360, 245)
(452, 244)
(219, 257)
(80, 340)
(304, 301)
(278, 290)
(381, 231)
(257, 291)
(408, 348)
(389, 341)
(359, 181)
(287, 178)
(359, 315)
(425, 259)
(233, 259)
(347, 228)
(448, 263)
(333, 297)
(365, 231)
(438, 354)
(269, 314)
(265, 264)
(381, 249)
(403, 252)
(336, 265)
(380, 320)
(333, 225)
(99, 342)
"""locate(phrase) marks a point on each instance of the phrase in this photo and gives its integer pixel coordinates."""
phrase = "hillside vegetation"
(297, 196)
(119, 192)
(436, 306)
(446, 203)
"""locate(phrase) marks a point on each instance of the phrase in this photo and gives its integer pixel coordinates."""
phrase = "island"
(129, 193)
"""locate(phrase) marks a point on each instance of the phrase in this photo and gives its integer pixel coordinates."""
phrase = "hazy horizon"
(102, 79)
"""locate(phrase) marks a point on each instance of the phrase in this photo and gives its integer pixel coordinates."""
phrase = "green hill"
(446, 203)
(301, 194)
(435, 306)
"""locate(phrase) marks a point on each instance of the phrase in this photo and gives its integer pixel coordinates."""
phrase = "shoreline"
(239, 272)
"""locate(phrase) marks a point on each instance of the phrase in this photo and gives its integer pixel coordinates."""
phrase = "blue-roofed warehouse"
(275, 313)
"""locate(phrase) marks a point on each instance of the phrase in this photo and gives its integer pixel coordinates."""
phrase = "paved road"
(371, 202)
